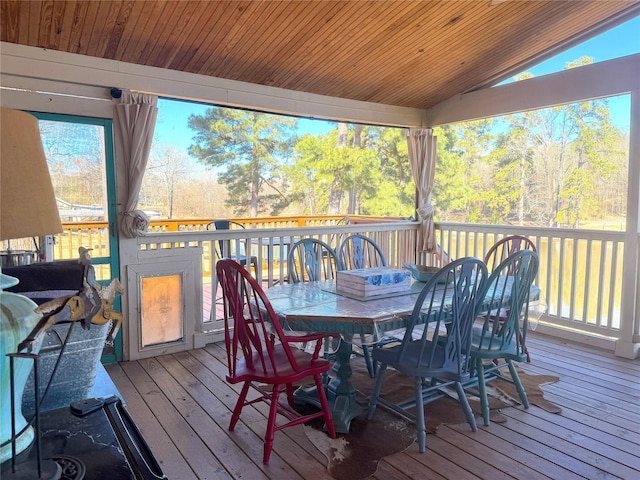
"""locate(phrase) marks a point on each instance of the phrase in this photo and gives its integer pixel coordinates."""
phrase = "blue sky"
(618, 42)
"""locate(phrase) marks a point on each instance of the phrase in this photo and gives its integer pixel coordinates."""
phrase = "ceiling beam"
(603, 79)
(68, 68)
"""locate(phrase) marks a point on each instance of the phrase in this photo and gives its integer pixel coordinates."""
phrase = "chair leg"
(324, 405)
(235, 416)
(214, 301)
(464, 401)
(421, 429)
(516, 381)
(255, 269)
(482, 389)
(290, 398)
(271, 425)
(373, 400)
(526, 350)
(371, 365)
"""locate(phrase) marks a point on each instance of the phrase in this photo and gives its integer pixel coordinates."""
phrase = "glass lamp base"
(17, 320)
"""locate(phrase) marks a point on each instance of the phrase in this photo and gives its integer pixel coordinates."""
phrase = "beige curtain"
(422, 158)
(135, 120)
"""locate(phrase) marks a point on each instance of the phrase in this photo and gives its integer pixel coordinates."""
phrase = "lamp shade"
(27, 201)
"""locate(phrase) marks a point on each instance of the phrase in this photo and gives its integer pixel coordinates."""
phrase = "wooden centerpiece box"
(373, 282)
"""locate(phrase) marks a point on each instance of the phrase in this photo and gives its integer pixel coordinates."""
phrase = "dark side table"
(103, 443)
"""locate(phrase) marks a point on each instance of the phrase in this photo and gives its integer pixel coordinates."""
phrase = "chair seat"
(285, 373)
(490, 346)
(409, 365)
(242, 259)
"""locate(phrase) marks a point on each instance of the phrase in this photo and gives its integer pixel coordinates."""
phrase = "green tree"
(250, 150)
(510, 163)
(395, 194)
(311, 174)
(460, 176)
(325, 175)
(379, 180)
(594, 150)
(473, 145)
(546, 163)
(570, 145)
(451, 192)
(353, 170)
(551, 166)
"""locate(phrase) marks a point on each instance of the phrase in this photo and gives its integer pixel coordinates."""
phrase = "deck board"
(182, 405)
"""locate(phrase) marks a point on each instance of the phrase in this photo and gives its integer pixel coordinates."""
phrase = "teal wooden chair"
(359, 251)
(310, 260)
(503, 249)
(448, 303)
(506, 247)
(499, 338)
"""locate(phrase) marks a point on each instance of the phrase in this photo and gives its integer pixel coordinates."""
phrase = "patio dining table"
(318, 307)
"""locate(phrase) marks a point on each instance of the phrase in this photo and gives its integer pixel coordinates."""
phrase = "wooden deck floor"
(182, 405)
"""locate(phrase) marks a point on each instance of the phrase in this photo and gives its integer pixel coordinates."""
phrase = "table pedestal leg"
(340, 392)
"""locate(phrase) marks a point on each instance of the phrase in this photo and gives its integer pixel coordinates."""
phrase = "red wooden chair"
(258, 353)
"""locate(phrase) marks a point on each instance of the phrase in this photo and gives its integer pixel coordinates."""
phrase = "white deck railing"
(580, 274)
(270, 247)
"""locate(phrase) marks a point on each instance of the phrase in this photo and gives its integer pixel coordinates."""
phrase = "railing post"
(628, 345)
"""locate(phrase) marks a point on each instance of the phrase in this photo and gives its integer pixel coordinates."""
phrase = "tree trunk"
(254, 202)
(335, 196)
(335, 193)
(171, 202)
(352, 208)
(523, 185)
(343, 134)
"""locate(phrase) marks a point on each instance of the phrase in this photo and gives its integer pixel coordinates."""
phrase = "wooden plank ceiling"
(404, 53)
